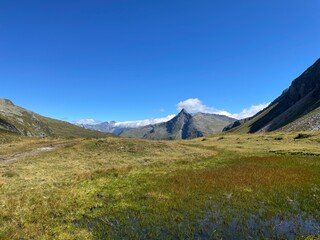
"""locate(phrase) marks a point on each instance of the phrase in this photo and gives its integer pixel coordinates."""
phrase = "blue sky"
(135, 59)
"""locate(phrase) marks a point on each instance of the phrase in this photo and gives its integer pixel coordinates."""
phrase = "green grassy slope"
(58, 128)
(19, 120)
(7, 136)
(246, 127)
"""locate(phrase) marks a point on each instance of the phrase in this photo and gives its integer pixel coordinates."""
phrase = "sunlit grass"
(125, 188)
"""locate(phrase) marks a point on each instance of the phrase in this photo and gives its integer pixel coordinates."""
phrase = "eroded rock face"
(308, 82)
(6, 102)
(7, 126)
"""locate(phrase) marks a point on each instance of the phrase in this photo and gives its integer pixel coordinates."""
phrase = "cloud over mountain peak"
(194, 105)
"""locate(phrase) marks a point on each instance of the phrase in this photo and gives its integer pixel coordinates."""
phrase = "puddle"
(256, 227)
(212, 226)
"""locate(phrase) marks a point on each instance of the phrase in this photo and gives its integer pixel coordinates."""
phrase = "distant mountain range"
(109, 127)
(182, 126)
(24, 122)
(297, 109)
(118, 127)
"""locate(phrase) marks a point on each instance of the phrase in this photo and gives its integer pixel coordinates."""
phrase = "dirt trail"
(30, 152)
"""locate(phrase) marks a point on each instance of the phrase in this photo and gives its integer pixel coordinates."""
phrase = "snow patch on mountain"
(86, 122)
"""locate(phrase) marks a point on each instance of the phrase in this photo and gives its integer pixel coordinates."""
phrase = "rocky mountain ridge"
(286, 112)
(182, 126)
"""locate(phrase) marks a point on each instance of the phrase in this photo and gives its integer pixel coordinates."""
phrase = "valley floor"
(225, 186)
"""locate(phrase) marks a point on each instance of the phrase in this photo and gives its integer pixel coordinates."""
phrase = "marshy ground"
(225, 186)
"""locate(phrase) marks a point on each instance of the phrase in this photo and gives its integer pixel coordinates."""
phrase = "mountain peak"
(183, 111)
(183, 115)
(6, 102)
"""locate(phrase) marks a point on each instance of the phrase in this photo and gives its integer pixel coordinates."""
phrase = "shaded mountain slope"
(300, 99)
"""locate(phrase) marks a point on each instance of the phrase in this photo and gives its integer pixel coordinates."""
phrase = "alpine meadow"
(227, 145)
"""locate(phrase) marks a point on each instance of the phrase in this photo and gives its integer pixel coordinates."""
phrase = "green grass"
(259, 186)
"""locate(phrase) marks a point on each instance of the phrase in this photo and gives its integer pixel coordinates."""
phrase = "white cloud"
(86, 121)
(194, 105)
(145, 122)
(249, 112)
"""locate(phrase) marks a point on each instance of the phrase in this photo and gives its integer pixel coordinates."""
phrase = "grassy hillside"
(242, 186)
(58, 128)
(246, 125)
(7, 137)
(24, 122)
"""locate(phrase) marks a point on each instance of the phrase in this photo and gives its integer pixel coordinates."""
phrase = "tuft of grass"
(10, 174)
(302, 136)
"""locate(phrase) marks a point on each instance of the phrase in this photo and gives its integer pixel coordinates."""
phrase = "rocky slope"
(182, 126)
(24, 122)
(296, 108)
(309, 122)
